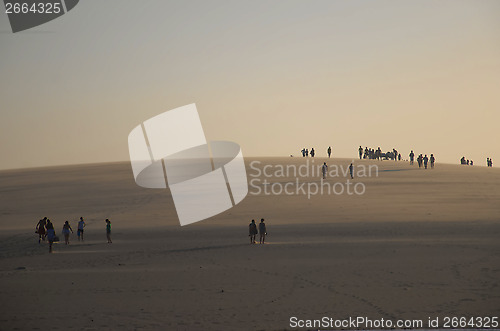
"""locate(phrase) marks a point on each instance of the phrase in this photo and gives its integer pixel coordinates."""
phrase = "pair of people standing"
(252, 229)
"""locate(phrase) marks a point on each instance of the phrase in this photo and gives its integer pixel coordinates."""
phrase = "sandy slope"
(417, 244)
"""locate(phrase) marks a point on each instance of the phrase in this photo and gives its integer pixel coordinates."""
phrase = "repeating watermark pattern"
(309, 179)
(205, 179)
(26, 14)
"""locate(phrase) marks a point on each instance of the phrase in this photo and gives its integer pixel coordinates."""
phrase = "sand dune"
(417, 244)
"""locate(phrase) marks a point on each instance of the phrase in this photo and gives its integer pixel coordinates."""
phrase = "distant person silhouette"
(412, 155)
(324, 169)
(65, 230)
(312, 152)
(351, 170)
(108, 231)
(307, 152)
(51, 234)
(426, 159)
(81, 225)
(471, 162)
(399, 157)
(303, 151)
(360, 151)
(40, 229)
(419, 160)
(262, 231)
(432, 159)
(329, 151)
(467, 162)
(252, 231)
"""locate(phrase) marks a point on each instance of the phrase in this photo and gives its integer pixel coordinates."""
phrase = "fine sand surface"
(417, 244)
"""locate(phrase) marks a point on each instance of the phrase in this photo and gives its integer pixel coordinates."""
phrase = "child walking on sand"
(108, 231)
(65, 231)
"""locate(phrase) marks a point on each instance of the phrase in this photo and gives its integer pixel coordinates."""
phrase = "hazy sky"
(273, 76)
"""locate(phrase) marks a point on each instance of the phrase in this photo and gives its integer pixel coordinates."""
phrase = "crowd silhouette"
(377, 154)
(305, 152)
(464, 161)
(45, 230)
(369, 153)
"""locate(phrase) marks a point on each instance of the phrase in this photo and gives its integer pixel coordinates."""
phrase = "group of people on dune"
(422, 160)
(45, 229)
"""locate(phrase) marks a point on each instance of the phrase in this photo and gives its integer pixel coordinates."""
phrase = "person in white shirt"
(81, 225)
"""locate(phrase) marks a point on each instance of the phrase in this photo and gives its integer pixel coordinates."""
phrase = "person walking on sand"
(412, 155)
(324, 169)
(432, 159)
(312, 152)
(81, 225)
(66, 229)
(252, 231)
(351, 171)
(51, 234)
(329, 151)
(40, 229)
(108, 231)
(262, 231)
(360, 151)
(426, 159)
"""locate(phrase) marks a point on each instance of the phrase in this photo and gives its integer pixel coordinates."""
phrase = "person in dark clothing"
(262, 231)
(51, 234)
(252, 231)
(40, 229)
